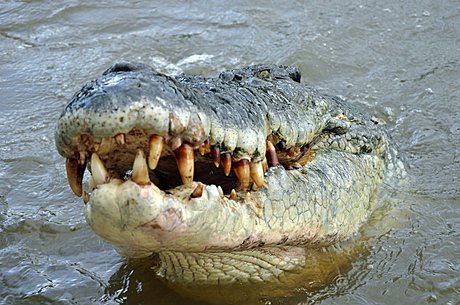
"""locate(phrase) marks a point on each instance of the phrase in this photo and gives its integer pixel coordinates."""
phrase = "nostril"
(124, 66)
(295, 76)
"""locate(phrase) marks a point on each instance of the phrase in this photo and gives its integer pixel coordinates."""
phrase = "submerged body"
(227, 178)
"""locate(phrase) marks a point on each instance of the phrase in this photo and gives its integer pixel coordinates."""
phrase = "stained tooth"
(257, 173)
(98, 171)
(86, 197)
(243, 173)
(226, 160)
(233, 194)
(185, 159)
(201, 149)
(207, 146)
(120, 139)
(215, 154)
(272, 158)
(265, 164)
(75, 173)
(81, 157)
(198, 190)
(155, 148)
(140, 173)
(204, 148)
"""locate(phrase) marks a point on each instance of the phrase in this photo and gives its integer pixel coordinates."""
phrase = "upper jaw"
(134, 110)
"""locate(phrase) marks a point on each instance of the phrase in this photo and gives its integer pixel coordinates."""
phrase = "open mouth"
(139, 125)
(249, 159)
(168, 162)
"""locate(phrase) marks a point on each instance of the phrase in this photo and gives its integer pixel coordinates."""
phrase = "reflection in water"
(138, 280)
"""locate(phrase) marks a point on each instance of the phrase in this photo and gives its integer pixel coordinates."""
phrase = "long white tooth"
(98, 171)
(140, 173)
(155, 148)
(257, 173)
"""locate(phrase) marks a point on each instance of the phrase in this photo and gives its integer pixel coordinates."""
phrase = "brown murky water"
(397, 59)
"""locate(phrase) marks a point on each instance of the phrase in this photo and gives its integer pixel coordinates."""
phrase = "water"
(398, 60)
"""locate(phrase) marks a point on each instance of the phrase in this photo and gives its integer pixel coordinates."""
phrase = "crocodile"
(224, 179)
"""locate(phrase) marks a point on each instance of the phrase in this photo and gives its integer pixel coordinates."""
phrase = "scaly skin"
(344, 156)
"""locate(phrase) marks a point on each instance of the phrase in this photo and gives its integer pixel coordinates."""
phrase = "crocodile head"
(250, 160)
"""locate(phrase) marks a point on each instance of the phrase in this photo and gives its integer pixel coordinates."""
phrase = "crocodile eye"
(264, 74)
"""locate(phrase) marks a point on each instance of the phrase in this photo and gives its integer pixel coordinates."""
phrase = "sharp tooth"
(201, 149)
(120, 139)
(215, 154)
(185, 158)
(86, 197)
(91, 184)
(81, 157)
(98, 170)
(198, 190)
(257, 173)
(140, 173)
(243, 173)
(75, 173)
(226, 160)
(272, 158)
(155, 148)
(233, 194)
(204, 148)
(265, 164)
(220, 190)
